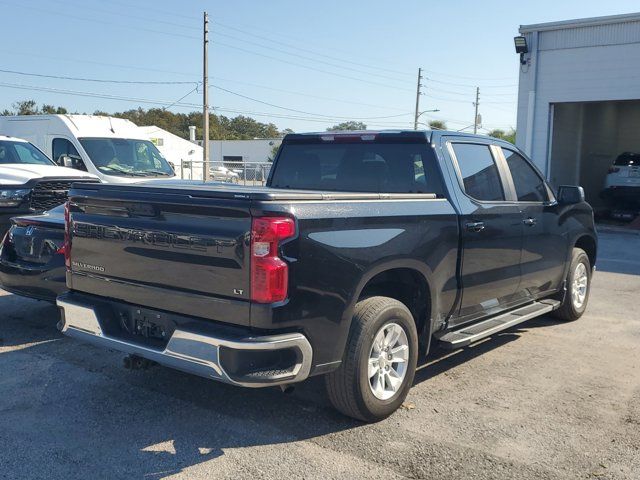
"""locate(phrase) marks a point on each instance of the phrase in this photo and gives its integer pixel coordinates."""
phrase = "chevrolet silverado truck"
(364, 249)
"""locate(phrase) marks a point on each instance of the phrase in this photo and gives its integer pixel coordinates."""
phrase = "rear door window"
(479, 171)
(358, 167)
(530, 186)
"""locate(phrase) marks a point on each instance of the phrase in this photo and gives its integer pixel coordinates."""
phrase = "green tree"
(273, 152)
(26, 107)
(509, 136)
(220, 127)
(50, 109)
(350, 125)
(437, 124)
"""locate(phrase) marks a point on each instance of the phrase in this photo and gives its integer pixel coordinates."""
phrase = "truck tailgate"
(166, 249)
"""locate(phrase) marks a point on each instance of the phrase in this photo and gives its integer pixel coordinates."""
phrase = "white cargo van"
(114, 149)
(30, 182)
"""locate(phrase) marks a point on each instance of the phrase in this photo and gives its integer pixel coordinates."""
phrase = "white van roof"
(13, 139)
(90, 125)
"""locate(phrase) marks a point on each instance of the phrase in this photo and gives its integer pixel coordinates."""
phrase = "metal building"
(579, 97)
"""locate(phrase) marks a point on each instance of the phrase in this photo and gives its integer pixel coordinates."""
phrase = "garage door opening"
(586, 138)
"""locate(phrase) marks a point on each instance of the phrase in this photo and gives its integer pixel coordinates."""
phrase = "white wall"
(177, 150)
(249, 150)
(574, 64)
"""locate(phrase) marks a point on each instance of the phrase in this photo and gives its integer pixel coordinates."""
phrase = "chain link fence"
(241, 173)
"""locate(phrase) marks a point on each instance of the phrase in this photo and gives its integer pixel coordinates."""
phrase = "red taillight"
(66, 246)
(614, 169)
(269, 273)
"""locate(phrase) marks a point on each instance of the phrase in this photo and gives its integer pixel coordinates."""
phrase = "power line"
(302, 111)
(102, 64)
(475, 78)
(191, 27)
(162, 103)
(309, 58)
(309, 67)
(175, 34)
(181, 98)
(94, 95)
(470, 92)
(154, 10)
(97, 80)
(15, 72)
(341, 100)
(288, 45)
(84, 6)
(470, 100)
(103, 22)
(291, 92)
(470, 85)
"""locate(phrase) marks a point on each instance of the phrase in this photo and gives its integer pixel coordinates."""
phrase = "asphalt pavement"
(544, 400)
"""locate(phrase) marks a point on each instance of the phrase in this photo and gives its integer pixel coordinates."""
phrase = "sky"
(301, 65)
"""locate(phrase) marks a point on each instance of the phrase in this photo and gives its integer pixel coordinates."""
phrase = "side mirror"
(570, 194)
(65, 161)
(71, 161)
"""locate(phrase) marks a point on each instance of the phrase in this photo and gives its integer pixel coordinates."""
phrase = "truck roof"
(408, 134)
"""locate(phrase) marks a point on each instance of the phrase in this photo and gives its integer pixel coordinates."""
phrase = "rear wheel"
(578, 286)
(380, 362)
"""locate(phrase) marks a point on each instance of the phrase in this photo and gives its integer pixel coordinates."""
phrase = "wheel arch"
(407, 281)
(589, 245)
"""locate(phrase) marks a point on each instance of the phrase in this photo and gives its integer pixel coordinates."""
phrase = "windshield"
(121, 156)
(22, 152)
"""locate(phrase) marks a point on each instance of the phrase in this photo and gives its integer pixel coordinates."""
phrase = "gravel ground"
(546, 400)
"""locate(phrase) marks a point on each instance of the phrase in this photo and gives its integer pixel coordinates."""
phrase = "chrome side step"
(477, 331)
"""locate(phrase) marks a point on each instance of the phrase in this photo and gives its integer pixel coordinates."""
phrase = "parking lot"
(546, 400)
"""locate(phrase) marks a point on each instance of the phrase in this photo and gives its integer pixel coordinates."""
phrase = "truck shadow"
(441, 360)
(74, 408)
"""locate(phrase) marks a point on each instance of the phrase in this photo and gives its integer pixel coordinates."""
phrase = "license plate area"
(145, 326)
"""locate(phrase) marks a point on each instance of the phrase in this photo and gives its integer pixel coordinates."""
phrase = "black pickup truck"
(363, 250)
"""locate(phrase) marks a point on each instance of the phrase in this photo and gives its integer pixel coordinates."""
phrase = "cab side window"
(479, 171)
(530, 187)
(62, 146)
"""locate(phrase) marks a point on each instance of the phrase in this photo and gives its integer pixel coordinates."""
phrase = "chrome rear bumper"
(190, 351)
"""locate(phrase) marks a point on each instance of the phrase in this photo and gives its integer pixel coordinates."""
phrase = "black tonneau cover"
(237, 192)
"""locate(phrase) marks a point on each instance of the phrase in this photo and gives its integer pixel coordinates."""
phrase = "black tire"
(348, 387)
(568, 311)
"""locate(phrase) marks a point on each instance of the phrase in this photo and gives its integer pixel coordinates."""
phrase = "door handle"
(530, 222)
(475, 226)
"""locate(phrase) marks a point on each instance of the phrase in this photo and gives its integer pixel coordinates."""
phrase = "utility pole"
(475, 118)
(205, 101)
(415, 118)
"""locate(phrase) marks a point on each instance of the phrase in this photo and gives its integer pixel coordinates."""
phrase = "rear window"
(627, 159)
(358, 167)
